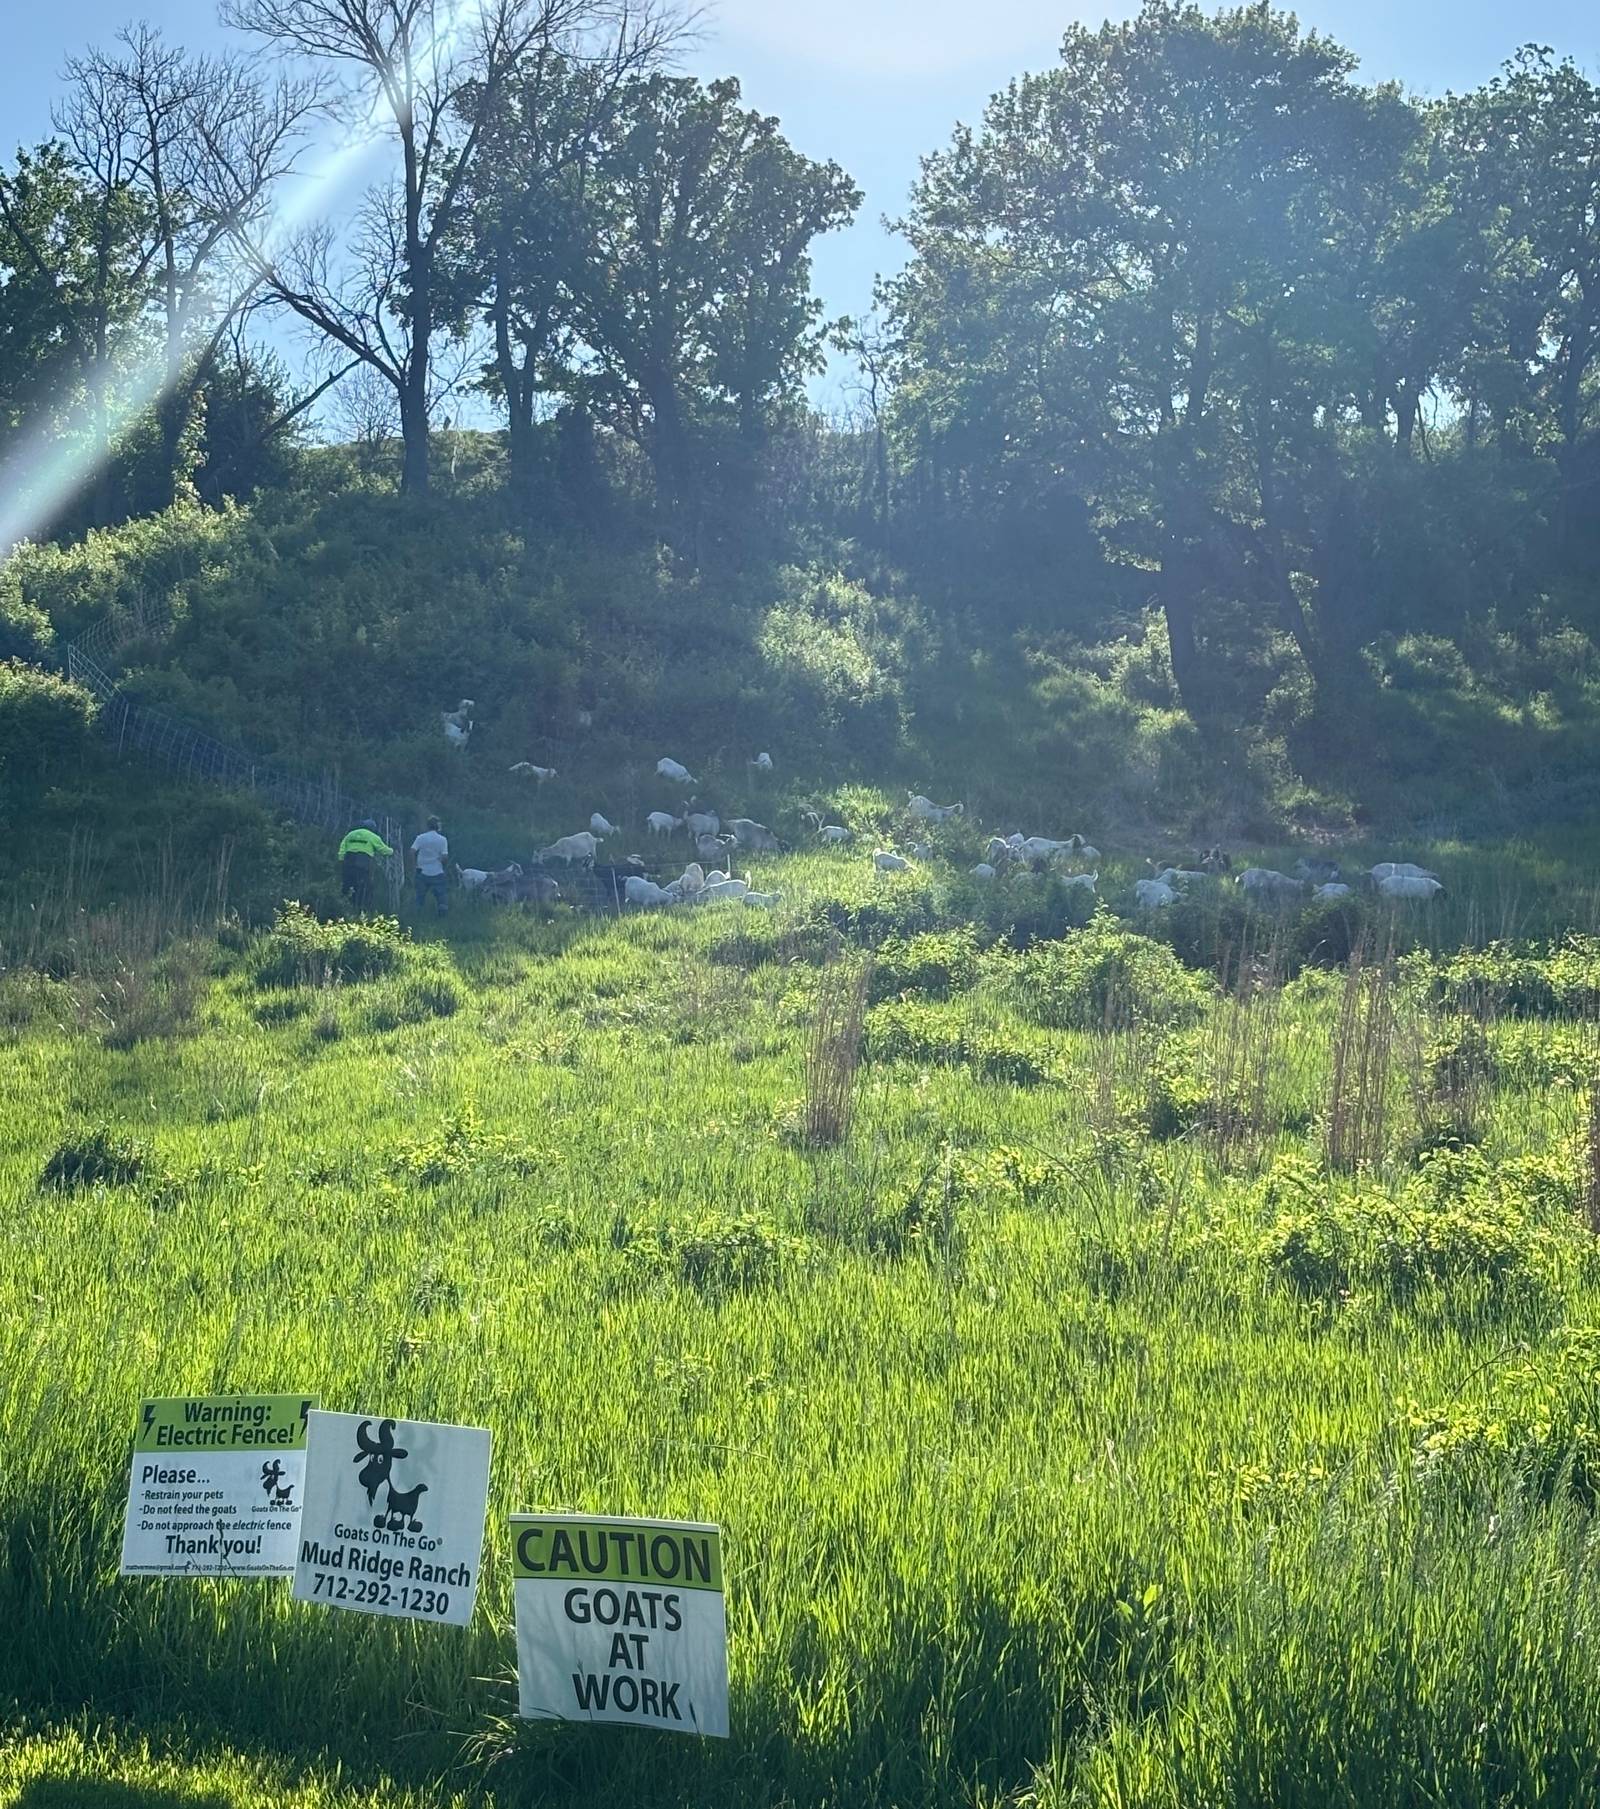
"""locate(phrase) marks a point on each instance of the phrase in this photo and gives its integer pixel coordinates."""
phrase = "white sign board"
(393, 1520)
(215, 1487)
(620, 1621)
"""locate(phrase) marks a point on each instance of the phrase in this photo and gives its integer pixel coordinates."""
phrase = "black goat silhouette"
(402, 1508)
(378, 1456)
(283, 1497)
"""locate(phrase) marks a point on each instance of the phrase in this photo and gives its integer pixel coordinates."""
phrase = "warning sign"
(620, 1621)
(216, 1484)
(393, 1521)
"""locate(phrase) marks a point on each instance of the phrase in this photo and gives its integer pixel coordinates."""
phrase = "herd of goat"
(708, 877)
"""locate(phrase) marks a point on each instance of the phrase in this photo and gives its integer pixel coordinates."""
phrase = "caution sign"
(620, 1621)
(216, 1486)
(393, 1521)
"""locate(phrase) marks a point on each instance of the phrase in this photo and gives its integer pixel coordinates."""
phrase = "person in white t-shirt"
(431, 851)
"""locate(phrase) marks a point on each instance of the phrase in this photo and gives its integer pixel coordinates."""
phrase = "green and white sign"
(393, 1521)
(620, 1621)
(216, 1486)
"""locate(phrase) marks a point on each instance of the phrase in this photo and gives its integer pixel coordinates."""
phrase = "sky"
(872, 84)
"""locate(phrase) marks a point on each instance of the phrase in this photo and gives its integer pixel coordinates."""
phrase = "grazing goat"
(926, 811)
(1152, 894)
(763, 901)
(1332, 888)
(599, 826)
(753, 836)
(1269, 886)
(662, 822)
(1088, 881)
(1410, 885)
(982, 871)
(1082, 850)
(675, 771)
(702, 822)
(888, 862)
(525, 769)
(581, 847)
(637, 891)
(712, 847)
(471, 878)
(834, 835)
(1398, 870)
(762, 763)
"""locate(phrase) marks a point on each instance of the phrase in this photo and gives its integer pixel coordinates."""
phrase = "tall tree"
(694, 303)
(1111, 280)
(434, 71)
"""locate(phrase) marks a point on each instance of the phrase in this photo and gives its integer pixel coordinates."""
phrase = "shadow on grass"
(79, 1792)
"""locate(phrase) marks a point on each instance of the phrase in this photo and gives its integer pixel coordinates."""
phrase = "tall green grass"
(1072, 1439)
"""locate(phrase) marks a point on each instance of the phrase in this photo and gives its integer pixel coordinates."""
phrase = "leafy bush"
(715, 1255)
(1502, 981)
(1538, 1427)
(300, 950)
(46, 724)
(1107, 977)
(1501, 1229)
(98, 1157)
(907, 1031)
(460, 1147)
(931, 966)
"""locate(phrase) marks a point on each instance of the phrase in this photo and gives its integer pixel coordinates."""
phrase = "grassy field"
(1178, 1382)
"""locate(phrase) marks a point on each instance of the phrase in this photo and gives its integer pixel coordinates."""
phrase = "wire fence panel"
(191, 754)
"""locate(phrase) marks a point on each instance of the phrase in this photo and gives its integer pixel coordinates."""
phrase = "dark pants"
(438, 886)
(355, 876)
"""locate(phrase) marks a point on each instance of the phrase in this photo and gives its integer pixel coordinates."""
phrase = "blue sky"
(875, 83)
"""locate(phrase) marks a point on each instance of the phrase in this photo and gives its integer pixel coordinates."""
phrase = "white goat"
(1082, 850)
(921, 851)
(662, 822)
(1410, 885)
(1152, 894)
(1087, 880)
(982, 871)
(1333, 888)
(599, 826)
(724, 890)
(763, 901)
(702, 822)
(675, 771)
(926, 811)
(581, 847)
(888, 862)
(835, 835)
(639, 891)
(1267, 884)
(470, 878)
(525, 769)
(1399, 870)
(712, 847)
(762, 763)
(754, 836)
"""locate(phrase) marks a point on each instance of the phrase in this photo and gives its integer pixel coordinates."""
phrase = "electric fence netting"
(191, 754)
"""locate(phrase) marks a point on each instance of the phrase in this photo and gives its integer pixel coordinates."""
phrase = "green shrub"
(1536, 1426)
(1500, 1229)
(46, 724)
(931, 966)
(301, 950)
(715, 1255)
(907, 1031)
(1107, 977)
(98, 1157)
(1502, 981)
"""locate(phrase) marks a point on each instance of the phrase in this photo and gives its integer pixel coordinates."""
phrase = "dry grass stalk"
(1591, 1167)
(834, 1052)
(1356, 1122)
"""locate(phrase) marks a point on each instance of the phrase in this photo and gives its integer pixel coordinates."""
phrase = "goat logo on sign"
(272, 1482)
(378, 1456)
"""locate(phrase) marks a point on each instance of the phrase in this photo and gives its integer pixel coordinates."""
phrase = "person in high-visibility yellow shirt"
(359, 852)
